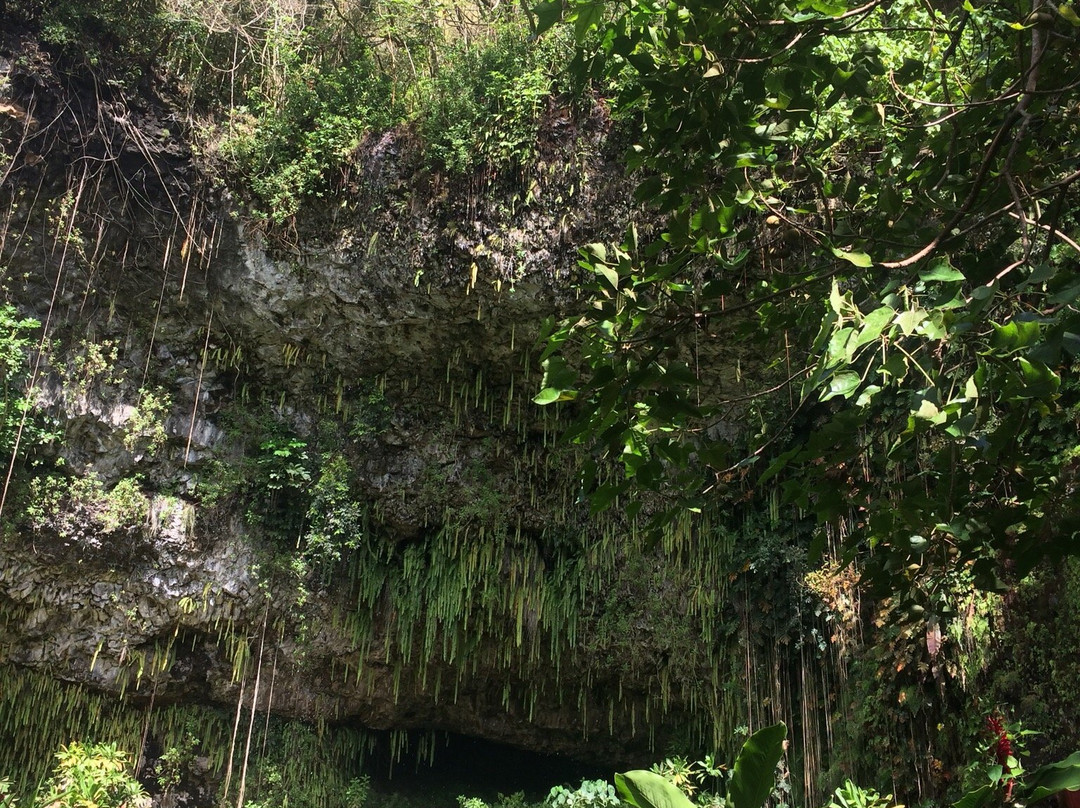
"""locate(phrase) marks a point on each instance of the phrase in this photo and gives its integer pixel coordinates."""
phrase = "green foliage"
(371, 416)
(337, 521)
(79, 508)
(471, 802)
(482, 104)
(474, 90)
(91, 367)
(357, 792)
(1009, 781)
(15, 344)
(18, 412)
(645, 789)
(1038, 657)
(850, 795)
(678, 771)
(284, 462)
(92, 776)
(270, 471)
(176, 761)
(289, 146)
(7, 797)
(754, 772)
(752, 780)
(295, 770)
(839, 190)
(97, 33)
(590, 794)
(145, 431)
(689, 776)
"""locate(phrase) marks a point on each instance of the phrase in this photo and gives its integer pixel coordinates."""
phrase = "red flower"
(1001, 747)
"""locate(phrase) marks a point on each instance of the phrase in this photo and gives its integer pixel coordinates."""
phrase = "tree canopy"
(878, 200)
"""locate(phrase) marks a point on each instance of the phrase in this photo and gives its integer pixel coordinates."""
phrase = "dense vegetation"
(872, 207)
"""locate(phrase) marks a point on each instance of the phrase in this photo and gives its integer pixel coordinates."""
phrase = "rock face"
(313, 450)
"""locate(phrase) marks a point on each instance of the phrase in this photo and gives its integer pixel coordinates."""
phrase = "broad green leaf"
(873, 325)
(838, 345)
(1039, 380)
(1068, 12)
(1066, 295)
(836, 301)
(597, 250)
(909, 320)
(918, 544)
(754, 773)
(588, 15)
(842, 384)
(942, 271)
(859, 259)
(558, 374)
(609, 274)
(928, 411)
(549, 395)
(932, 327)
(1052, 778)
(867, 395)
(547, 14)
(978, 798)
(1014, 335)
(645, 789)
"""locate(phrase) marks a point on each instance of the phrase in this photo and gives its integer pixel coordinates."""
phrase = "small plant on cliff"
(95, 364)
(175, 761)
(80, 507)
(17, 416)
(145, 429)
(335, 518)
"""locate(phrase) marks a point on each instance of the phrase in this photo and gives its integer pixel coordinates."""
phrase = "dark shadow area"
(468, 767)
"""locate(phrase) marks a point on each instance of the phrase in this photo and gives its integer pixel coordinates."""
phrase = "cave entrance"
(457, 765)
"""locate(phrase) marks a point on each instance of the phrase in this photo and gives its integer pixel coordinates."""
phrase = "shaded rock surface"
(406, 318)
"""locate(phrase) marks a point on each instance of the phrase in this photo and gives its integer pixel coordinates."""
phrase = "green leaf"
(609, 274)
(1052, 778)
(859, 259)
(976, 799)
(1039, 380)
(836, 300)
(754, 773)
(1069, 13)
(588, 15)
(1014, 335)
(558, 374)
(1066, 295)
(547, 14)
(909, 320)
(549, 395)
(942, 271)
(843, 385)
(929, 411)
(873, 325)
(645, 789)
(867, 395)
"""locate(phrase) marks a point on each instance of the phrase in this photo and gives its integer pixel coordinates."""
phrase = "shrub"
(77, 507)
(92, 776)
(590, 794)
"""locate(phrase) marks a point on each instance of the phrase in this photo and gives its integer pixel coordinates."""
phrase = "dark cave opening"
(471, 767)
